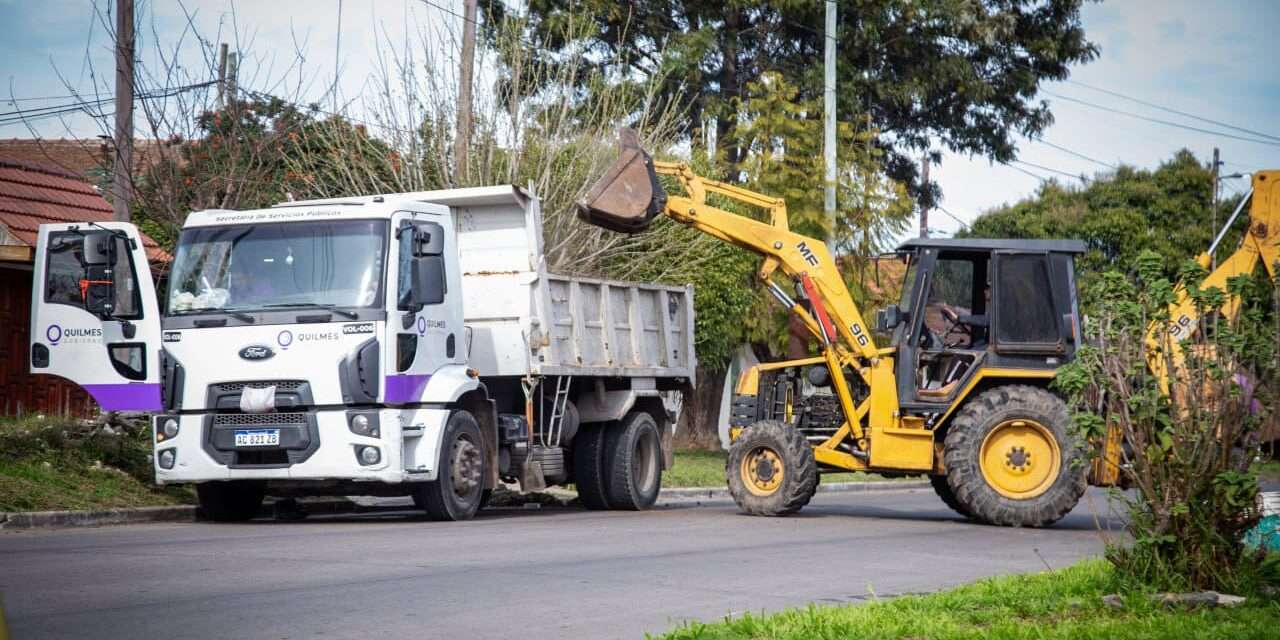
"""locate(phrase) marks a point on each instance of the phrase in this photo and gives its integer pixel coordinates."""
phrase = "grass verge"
(702, 468)
(59, 464)
(1058, 604)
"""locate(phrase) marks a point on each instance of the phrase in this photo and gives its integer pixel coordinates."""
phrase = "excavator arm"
(1261, 243)
(628, 197)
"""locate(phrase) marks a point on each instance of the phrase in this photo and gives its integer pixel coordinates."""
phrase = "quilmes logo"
(256, 352)
(57, 334)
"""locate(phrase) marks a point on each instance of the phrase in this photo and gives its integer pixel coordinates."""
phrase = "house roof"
(33, 194)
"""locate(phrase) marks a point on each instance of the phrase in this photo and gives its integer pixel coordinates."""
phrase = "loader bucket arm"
(628, 196)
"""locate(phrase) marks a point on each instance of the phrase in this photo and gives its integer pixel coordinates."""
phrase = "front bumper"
(314, 445)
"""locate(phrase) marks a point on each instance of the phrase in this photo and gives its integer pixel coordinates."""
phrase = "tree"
(965, 72)
(1118, 215)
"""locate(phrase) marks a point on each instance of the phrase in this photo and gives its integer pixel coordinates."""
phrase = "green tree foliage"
(965, 72)
(1119, 215)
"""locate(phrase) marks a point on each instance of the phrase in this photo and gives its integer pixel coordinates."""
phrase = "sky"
(1214, 60)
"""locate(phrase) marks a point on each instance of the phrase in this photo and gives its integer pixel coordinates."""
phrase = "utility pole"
(924, 185)
(222, 75)
(337, 56)
(1213, 262)
(829, 124)
(122, 170)
(463, 136)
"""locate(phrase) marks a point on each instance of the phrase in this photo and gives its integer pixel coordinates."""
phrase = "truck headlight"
(167, 458)
(166, 428)
(368, 455)
(363, 424)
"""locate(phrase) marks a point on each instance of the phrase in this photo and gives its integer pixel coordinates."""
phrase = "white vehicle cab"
(403, 344)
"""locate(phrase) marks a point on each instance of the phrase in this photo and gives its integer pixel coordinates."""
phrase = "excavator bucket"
(628, 196)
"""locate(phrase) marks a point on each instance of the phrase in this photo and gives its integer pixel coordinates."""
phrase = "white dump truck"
(403, 344)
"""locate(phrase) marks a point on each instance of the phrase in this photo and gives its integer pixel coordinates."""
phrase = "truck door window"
(404, 281)
(67, 279)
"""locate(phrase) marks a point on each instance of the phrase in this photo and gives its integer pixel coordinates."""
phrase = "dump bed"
(523, 320)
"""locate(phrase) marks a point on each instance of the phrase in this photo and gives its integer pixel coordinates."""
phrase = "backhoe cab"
(960, 393)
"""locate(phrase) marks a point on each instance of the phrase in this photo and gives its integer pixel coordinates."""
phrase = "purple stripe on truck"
(129, 396)
(406, 387)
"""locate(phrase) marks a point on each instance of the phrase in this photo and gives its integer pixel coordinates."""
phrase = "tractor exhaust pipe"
(628, 196)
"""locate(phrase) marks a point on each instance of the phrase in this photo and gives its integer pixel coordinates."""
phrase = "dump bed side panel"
(609, 328)
(524, 320)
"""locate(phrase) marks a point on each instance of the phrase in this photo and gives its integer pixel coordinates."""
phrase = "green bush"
(1189, 442)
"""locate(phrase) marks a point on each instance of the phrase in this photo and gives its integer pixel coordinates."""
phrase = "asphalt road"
(558, 573)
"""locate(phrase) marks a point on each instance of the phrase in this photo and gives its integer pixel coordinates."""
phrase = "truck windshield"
(291, 264)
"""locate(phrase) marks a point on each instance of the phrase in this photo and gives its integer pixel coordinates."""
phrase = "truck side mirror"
(99, 290)
(888, 318)
(98, 249)
(428, 284)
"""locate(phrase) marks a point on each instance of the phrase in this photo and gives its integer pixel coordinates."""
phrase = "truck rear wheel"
(458, 489)
(771, 470)
(589, 465)
(1011, 460)
(230, 501)
(633, 462)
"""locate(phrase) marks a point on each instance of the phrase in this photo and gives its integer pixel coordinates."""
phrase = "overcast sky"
(1214, 60)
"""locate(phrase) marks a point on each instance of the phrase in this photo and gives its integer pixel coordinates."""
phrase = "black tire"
(633, 462)
(976, 497)
(589, 465)
(230, 501)
(458, 489)
(943, 489)
(771, 443)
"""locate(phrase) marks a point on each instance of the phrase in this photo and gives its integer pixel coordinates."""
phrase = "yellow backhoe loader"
(960, 394)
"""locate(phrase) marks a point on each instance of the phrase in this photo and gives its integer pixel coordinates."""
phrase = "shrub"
(1188, 443)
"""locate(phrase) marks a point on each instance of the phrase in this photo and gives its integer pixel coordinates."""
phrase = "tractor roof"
(1004, 244)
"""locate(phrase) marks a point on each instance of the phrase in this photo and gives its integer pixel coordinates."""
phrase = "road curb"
(98, 517)
(27, 520)
(718, 493)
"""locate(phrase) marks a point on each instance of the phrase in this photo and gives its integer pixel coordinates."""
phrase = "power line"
(450, 12)
(1159, 121)
(952, 216)
(1174, 111)
(1051, 170)
(20, 115)
(1075, 153)
(1033, 175)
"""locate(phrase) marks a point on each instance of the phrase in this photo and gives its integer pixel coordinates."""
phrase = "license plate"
(257, 438)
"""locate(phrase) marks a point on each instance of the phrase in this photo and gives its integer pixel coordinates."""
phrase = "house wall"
(21, 392)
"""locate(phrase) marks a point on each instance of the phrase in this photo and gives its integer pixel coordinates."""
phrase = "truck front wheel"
(230, 501)
(458, 490)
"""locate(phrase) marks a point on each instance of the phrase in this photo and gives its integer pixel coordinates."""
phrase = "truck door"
(427, 335)
(94, 315)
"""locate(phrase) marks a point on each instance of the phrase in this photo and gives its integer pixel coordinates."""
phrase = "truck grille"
(258, 419)
(280, 385)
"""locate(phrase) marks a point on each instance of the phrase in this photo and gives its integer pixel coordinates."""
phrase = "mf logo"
(807, 253)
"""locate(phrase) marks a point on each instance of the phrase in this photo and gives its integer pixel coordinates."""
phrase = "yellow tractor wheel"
(771, 469)
(1011, 460)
